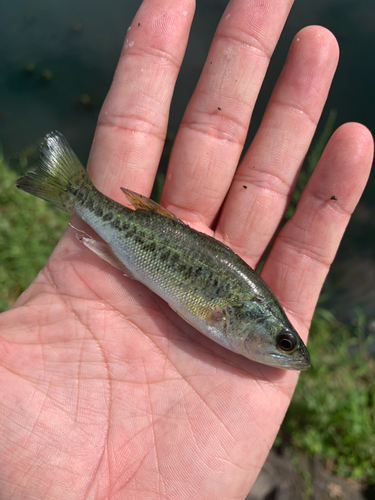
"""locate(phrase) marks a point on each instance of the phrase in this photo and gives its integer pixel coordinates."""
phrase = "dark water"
(57, 60)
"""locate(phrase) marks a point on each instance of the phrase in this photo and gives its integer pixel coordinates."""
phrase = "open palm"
(105, 392)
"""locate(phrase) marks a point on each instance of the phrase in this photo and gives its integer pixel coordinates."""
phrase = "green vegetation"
(333, 409)
(29, 230)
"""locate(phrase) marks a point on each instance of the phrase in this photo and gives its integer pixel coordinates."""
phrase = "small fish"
(201, 279)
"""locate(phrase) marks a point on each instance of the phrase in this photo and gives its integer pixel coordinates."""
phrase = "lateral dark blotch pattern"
(107, 217)
(98, 210)
(164, 256)
(152, 246)
(89, 204)
(116, 223)
(80, 197)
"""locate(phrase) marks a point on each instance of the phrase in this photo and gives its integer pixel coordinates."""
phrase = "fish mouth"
(287, 364)
(300, 366)
(305, 361)
(301, 361)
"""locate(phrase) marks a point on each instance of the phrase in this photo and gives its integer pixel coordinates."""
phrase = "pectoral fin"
(143, 203)
(104, 251)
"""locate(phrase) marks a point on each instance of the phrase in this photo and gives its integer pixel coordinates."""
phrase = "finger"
(306, 246)
(212, 133)
(132, 124)
(263, 184)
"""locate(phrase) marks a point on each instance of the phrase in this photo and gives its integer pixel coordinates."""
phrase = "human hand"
(106, 393)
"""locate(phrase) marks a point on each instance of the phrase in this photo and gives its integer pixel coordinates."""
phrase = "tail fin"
(59, 174)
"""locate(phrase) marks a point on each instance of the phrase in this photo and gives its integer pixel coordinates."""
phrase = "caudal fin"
(59, 174)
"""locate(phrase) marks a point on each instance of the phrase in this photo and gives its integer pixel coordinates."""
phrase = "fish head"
(261, 331)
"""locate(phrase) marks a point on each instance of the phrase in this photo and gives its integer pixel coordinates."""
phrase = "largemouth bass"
(201, 279)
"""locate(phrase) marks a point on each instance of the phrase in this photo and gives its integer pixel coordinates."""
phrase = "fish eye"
(286, 341)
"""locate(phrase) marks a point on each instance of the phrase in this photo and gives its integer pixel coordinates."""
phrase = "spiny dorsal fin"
(143, 203)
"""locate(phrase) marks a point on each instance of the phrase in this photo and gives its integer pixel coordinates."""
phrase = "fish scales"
(178, 258)
(202, 279)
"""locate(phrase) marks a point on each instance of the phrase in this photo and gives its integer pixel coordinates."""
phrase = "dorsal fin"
(142, 202)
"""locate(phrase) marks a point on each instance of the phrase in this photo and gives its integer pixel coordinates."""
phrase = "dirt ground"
(281, 479)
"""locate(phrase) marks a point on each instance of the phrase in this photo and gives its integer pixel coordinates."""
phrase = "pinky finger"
(306, 246)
